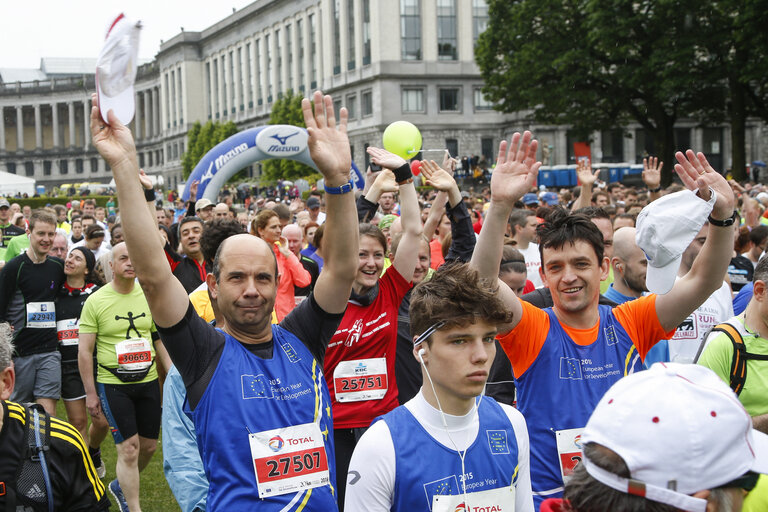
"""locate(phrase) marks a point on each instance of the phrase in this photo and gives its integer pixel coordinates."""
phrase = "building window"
(150, 154)
(11, 166)
(336, 36)
(612, 145)
(268, 49)
(172, 99)
(180, 96)
(300, 49)
(481, 102)
(312, 51)
(224, 88)
(486, 148)
(248, 75)
(95, 163)
(366, 100)
(63, 166)
(366, 32)
(216, 88)
(47, 164)
(208, 90)
(289, 54)
(233, 89)
(352, 106)
(79, 167)
(412, 100)
(479, 18)
(337, 106)
(452, 145)
(450, 99)
(350, 34)
(279, 58)
(410, 29)
(29, 168)
(446, 30)
(141, 159)
(242, 89)
(167, 103)
(259, 96)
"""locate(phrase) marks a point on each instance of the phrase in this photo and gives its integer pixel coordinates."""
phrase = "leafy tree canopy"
(203, 138)
(287, 110)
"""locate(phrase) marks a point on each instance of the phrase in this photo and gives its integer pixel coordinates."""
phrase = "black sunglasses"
(748, 481)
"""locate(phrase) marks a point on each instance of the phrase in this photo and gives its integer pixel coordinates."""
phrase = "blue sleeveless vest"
(562, 387)
(431, 468)
(248, 394)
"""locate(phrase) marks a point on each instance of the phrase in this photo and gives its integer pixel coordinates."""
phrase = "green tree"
(203, 138)
(287, 110)
(598, 64)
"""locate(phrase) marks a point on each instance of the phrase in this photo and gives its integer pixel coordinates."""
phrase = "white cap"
(680, 430)
(665, 229)
(116, 69)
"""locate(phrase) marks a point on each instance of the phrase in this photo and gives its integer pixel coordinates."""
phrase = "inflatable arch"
(277, 141)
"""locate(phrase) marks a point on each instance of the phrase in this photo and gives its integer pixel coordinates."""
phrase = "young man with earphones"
(448, 447)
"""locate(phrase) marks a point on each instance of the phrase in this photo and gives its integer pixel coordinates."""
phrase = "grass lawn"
(155, 495)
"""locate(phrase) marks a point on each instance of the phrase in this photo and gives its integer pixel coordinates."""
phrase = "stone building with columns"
(385, 60)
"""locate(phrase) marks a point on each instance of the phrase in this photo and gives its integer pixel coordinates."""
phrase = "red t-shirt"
(436, 254)
(360, 358)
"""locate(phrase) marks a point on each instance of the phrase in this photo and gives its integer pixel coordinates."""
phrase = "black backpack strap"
(739, 360)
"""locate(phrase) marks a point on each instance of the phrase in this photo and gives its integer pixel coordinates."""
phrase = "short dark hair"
(187, 220)
(215, 232)
(113, 228)
(317, 240)
(561, 228)
(512, 260)
(519, 217)
(626, 216)
(368, 229)
(761, 271)
(282, 211)
(593, 212)
(456, 294)
(758, 234)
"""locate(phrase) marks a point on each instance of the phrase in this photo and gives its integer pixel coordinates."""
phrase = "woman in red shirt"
(266, 225)
(360, 358)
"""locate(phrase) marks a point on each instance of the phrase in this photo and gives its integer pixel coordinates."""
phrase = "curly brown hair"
(456, 295)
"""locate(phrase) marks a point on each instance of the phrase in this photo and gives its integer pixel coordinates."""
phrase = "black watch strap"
(723, 223)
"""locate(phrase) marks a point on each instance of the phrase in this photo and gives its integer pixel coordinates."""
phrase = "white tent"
(11, 184)
(156, 179)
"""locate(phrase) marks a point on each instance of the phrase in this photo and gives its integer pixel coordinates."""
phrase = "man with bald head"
(629, 266)
(293, 234)
(221, 211)
(271, 405)
(59, 246)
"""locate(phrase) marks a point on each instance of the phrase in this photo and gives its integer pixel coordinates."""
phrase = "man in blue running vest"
(564, 358)
(447, 449)
(259, 401)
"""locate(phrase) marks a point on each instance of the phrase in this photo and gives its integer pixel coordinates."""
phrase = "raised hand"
(113, 141)
(516, 169)
(193, 190)
(652, 172)
(328, 145)
(282, 246)
(436, 176)
(584, 173)
(385, 182)
(697, 175)
(449, 163)
(296, 205)
(385, 159)
(144, 180)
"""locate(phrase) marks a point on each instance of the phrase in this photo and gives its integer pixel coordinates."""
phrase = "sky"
(32, 29)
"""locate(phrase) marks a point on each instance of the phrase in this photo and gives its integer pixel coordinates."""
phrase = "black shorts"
(131, 409)
(71, 383)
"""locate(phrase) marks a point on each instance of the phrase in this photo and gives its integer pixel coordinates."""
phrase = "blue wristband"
(347, 187)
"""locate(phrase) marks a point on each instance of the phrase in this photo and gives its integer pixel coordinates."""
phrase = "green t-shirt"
(604, 285)
(16, 246)
(116, 318)
(717, 356)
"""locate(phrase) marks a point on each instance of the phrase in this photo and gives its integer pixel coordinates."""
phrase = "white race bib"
(67, 331)
(134, 354)
(41, 315)
(492, 500)
(289, 459)
(361, 379)
(568, 450)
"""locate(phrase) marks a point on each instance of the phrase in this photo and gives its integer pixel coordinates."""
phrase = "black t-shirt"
(23, 283)
(195, 346)
(69, 305)
(7, 232)
(740, 272)
(312, 267)
(76, 486)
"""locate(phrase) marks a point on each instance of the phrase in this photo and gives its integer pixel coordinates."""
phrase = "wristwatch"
(347, 187)
(723, 223)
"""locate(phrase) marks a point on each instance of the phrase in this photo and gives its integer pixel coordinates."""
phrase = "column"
(219, 89)
(155, 112)
(2, 128)
(19, 129)
(86, 124)
(55, 120)
(147, 118)
(71, 112)
(137, 117)
(237, 79)
(38, 128)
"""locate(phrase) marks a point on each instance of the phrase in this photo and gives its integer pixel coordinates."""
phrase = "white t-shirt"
(532, 263)
(373, 461)
(104, 248)
(690, 334)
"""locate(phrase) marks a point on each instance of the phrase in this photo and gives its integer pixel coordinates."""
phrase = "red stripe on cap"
(114, 23)
(636, 488)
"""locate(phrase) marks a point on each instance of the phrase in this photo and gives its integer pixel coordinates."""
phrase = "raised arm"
(329, 148)
(166, 296)
(515, 174)
(408, 251)
(711, 264)
(587, 180)
(652, 177)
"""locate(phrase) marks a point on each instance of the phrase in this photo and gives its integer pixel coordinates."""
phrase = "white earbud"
(421, 354)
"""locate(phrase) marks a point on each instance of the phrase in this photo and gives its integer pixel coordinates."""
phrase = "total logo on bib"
(289, 459)
(568, 450)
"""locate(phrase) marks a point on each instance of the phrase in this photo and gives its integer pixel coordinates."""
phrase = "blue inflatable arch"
(277, 141)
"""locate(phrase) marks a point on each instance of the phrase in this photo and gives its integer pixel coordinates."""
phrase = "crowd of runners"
(504, 348)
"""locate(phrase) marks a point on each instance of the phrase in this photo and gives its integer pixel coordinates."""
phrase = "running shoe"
(117, 493)
(101, 469)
